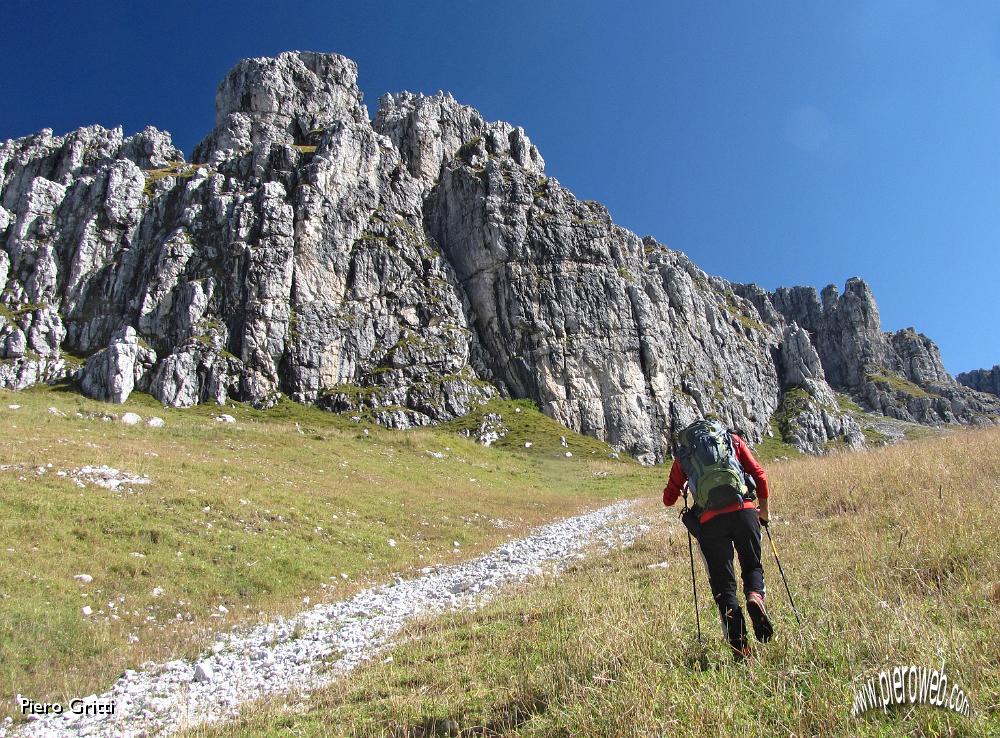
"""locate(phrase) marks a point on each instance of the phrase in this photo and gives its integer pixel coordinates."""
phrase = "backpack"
(706, 453)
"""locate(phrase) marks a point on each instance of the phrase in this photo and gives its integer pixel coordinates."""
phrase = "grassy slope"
(885, 572)
(772, 448)
(287, 513)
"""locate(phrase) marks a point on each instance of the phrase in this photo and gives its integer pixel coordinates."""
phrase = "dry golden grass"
(893, 556)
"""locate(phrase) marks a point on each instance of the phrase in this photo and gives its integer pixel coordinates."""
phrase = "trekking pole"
(694, 585)
(781, 571)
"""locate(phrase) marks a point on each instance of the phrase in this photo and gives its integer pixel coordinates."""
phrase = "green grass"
(884, 573)
(773, 447)
(10, 315)
(179, 169)
(848, 405)
(541, 188)
(916, 432)
(794, 401)
(294, 495)
(527, 424)
(899, 384)
(875, 438)
(736, 310)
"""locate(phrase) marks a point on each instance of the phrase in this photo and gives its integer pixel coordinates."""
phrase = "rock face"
(409, 268)
(112, 373)
(810, 415)
(899, 374)
(612, 335)
(982, 380)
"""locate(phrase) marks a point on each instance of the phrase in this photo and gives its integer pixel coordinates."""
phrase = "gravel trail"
(325, 642)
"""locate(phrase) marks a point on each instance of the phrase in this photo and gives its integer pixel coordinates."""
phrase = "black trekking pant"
(739, 530)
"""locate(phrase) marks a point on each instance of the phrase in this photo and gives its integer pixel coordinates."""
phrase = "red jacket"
(750, 465)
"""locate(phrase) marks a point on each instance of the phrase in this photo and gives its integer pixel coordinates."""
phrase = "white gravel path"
(323, 643)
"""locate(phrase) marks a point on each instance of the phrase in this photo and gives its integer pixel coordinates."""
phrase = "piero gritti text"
(910, 685)
(87, 706)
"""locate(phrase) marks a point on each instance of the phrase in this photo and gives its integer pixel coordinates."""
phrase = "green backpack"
(705, 452)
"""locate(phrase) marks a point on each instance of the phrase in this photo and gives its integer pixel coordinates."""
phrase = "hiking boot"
(762, 627)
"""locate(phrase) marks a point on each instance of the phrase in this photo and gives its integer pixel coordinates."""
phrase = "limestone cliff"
(407, 267)
(982, 380)
(899, 374)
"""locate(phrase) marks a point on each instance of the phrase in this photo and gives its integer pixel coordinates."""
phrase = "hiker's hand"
(762, 513)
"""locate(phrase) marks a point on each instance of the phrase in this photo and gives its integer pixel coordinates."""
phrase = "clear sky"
(780, 143)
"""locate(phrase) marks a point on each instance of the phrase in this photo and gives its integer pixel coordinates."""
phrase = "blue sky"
(780, 143)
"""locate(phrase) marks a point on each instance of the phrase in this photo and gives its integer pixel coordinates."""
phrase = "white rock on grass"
(111, 373)
(107, 477)
(13, 407)
(131, 418)
(87, 611)
(569, 454)
(224, 418)
(155, 422)
(203, 673)
(85, 578)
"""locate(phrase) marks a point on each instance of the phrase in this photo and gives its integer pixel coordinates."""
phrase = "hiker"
(721, 471)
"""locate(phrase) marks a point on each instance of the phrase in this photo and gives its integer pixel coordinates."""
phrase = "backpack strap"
(749, 482)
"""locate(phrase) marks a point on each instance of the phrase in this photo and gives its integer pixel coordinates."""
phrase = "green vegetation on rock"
(794, 401)
(848, 405)
(179, 169)
(774, 447)
(899, 384)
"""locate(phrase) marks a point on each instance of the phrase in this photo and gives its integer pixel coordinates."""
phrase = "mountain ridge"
(982, 380)
(410, 267)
